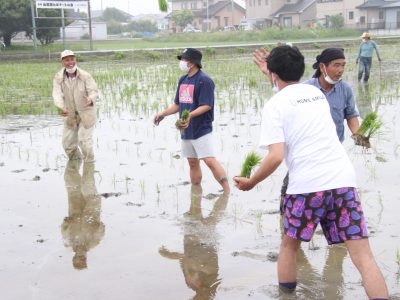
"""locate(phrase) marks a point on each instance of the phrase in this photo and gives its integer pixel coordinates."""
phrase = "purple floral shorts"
(338, 211)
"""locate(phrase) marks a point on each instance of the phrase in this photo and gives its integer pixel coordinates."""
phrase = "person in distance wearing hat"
(364, 57)
(195, 93)
(75, 93)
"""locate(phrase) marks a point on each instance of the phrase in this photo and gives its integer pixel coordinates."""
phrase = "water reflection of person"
(199, 262)
(313, 285)
(82, 229)
(332, 284)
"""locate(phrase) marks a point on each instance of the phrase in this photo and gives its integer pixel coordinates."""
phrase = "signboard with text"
(61, 4)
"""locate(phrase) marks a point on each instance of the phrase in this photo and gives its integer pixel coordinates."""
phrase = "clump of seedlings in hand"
(369, 126)
(252, 160)
(182, 120)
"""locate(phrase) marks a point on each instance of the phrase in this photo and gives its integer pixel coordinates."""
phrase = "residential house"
(260, 13)
(209, 15)
(190, 4)
(301, 13)
(222, 14)
(353, 17)
(80, 29)
(380, 14)
(285, 13)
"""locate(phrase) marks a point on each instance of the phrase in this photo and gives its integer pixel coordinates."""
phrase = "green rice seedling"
(259, 219)
(252, 160)
(369, 126)
(142, 189)
(182, 120)
(127, 184)
(398, 257)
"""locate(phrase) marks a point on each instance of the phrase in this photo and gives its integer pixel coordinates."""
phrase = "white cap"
(66, 53)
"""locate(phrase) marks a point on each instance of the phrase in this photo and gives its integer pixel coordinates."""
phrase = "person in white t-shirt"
(297, 126)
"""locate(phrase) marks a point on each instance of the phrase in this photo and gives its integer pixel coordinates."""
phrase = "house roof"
(79, 23)
(392, 4)
(215, 8)
(377, 4)
(294, 8)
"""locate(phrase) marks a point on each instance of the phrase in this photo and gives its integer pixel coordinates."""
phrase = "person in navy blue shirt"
(195, 93)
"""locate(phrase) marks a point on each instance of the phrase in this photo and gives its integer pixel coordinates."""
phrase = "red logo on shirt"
(186, 93)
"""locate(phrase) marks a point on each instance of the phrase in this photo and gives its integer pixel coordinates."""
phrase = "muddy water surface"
(130, 226)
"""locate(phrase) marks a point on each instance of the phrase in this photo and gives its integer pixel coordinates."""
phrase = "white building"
(79, 29)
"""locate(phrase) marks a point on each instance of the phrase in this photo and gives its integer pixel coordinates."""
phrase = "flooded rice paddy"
(130, 226)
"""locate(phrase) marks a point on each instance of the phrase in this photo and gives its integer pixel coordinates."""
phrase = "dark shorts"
(338, 211)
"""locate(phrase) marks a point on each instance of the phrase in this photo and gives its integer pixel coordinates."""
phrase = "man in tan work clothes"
(75, 93)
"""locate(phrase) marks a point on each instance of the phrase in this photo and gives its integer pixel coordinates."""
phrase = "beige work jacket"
(69, 95)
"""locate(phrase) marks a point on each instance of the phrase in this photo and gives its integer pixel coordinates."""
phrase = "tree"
(142, 26)
(114, 27)
(49, 29)
(336, 21)
(112, 13)
(182, 17)
(163, 5)
(15, 16)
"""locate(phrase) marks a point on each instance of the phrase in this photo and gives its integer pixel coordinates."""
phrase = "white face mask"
(183, 65)
(71, 70)
(328, 79)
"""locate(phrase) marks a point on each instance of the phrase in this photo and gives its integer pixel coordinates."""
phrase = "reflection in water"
(364, 100)
(367, 101)
(314, 286)
(199, 262)
(82, 229)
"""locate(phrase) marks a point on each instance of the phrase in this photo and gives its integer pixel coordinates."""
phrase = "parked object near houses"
(245, 26)
(190, 28)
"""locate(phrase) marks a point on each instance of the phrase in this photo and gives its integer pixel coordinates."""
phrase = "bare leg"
(287, 261)
(195, 170)
(363, 259)
(218, 172)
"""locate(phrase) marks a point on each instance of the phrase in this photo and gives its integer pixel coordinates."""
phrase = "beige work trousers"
(78, 142)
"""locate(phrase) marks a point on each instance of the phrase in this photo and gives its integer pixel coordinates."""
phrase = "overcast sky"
(134, 7)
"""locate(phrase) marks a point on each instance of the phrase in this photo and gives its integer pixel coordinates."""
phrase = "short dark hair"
(287, 62)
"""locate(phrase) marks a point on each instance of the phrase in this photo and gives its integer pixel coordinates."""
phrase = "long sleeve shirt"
(367, 49)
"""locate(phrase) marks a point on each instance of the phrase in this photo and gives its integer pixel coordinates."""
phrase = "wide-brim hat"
(366, 35)
(192, 55)
(66, 53)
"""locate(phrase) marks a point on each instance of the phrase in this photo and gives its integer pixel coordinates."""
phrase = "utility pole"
(63, 28)
(208, 20)
(33, 26)
(90, 26)
(232, 13)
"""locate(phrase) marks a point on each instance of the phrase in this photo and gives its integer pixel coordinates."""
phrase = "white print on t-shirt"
(307, 100)
(186, 93)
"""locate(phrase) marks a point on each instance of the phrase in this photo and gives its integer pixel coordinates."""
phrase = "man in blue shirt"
(365, 56)
(195, 93)
(329, 66)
